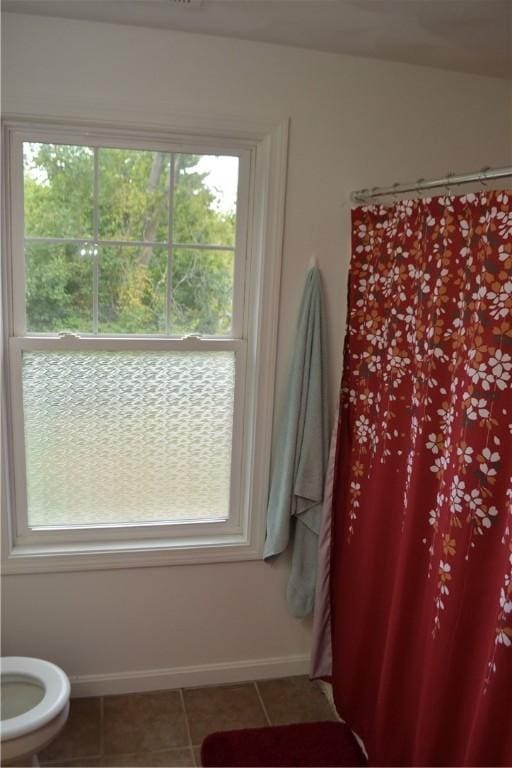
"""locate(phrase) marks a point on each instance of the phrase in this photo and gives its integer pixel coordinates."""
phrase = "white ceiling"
(467, 35)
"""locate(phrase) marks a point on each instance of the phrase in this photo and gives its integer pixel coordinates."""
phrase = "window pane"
(133, 195)
(205, 197)
(58, 287)
(132, 289)
(202, 297)
(58, 190)
(125, 437)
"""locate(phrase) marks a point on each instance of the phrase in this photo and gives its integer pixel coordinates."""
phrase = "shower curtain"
(414, 595)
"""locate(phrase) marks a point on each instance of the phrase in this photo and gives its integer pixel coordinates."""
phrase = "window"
(136, 367)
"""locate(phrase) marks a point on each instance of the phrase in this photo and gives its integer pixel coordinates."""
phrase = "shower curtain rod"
(366, 195)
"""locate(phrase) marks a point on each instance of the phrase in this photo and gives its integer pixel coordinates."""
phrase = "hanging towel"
(296, 490)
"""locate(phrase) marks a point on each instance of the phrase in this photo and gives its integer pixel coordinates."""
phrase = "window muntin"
(195, 286)
(147, 237)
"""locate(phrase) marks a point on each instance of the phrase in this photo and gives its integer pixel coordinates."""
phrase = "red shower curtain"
(421, 537)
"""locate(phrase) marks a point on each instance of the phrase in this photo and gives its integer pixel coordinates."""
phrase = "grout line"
(160, 751)
(102, 728)
(187, 724)
(261, 702)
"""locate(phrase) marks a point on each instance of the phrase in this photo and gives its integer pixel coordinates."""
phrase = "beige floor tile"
(143, 722)
(24, 765)
(80, 737)
(168, 757)
(294, 700)
(222, 709)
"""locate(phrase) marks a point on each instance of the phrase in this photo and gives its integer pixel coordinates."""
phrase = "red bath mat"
(302, 744)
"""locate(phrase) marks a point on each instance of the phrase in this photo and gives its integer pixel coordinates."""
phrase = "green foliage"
(133, 197)
(59, 289)
(59, 191)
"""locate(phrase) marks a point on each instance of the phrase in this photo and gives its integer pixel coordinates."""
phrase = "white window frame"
(262, 173)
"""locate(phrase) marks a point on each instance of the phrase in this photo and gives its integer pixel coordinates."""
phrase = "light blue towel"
(300, 459)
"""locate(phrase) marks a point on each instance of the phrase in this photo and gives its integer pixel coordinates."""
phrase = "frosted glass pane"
(124, 437)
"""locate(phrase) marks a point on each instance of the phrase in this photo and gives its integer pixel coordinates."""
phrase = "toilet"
(35, 707)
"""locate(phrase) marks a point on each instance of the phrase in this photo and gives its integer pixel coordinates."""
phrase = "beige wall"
(354, 123)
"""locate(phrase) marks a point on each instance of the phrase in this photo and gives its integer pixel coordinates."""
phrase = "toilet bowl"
(35, 707)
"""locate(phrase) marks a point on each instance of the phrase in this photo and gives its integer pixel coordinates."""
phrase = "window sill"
(52, 558)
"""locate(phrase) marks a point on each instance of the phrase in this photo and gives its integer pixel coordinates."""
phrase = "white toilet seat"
(55, 684)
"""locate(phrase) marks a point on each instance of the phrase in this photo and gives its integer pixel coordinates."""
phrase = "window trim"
(266, 145)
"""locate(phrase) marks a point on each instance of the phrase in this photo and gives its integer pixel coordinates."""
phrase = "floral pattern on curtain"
(425, 456)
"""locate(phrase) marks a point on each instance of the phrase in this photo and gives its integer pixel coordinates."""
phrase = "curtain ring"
(419, 182)
(483, 171)
(447, 186)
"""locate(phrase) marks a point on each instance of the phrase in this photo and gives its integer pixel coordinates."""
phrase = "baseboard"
(188, 677)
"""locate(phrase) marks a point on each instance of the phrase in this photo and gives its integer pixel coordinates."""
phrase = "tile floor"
(166, 728)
